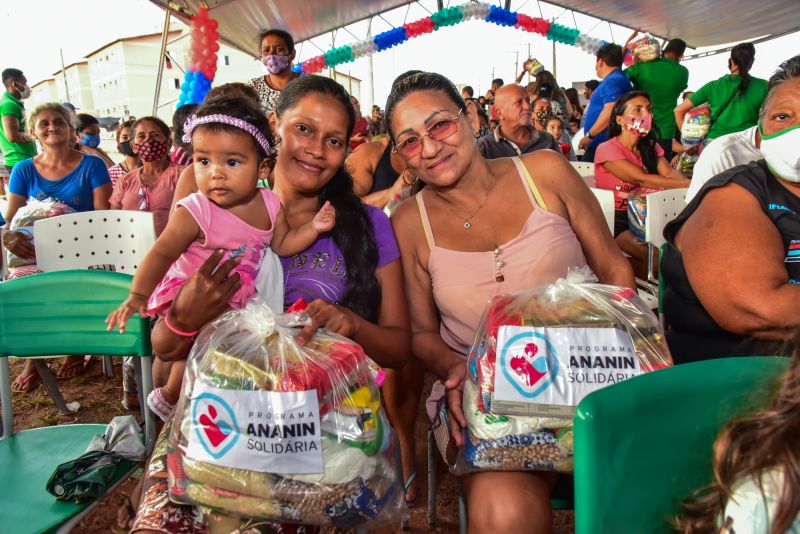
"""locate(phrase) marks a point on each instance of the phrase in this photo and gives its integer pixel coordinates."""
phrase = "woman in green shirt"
(734, 99)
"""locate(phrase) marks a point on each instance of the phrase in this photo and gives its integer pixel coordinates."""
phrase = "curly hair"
(748, 447)
(65, 113)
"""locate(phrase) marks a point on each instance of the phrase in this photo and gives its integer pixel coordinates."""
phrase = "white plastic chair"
(606, 200)
(113, 240)
(662, 207)
(584, 168)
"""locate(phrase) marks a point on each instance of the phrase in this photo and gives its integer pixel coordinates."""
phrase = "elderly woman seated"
(732, 265)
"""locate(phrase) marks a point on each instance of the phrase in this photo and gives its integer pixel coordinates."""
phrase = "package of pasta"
(537, 353)
(696, 124)
(268, 429)
(645, 49)
(28, 214)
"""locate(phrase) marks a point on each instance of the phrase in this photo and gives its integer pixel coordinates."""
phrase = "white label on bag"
(265, 431)
(547, 371)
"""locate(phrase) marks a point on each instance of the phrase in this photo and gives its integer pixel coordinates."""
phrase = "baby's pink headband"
(194, 121)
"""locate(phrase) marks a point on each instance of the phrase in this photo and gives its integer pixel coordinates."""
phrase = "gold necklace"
(467, 220)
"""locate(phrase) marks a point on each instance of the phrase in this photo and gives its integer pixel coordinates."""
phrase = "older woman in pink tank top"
(478, 229)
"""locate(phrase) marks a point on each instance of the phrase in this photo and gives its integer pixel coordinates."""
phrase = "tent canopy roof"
(705, 23)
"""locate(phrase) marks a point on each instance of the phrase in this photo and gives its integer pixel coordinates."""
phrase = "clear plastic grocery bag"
(696, 124)
(647, 48)
(536, 354)
(23, 221)
(269, 429)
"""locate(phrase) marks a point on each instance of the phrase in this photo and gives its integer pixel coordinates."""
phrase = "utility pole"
(64, 75)
(529, 56)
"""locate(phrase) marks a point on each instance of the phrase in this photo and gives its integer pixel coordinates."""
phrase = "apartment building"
(43, 91)
(79, 83)
(118, 79)
(124, 73)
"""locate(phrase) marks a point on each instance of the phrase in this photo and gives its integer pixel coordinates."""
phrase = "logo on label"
(529, 363)
(793, 254)
(215, 424)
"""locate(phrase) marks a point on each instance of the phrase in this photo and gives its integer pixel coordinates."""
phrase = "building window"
(177, 83)
(227, 60)
(168, 62)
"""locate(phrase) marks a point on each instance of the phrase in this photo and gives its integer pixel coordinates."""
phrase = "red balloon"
(213, 24)
(215, 46)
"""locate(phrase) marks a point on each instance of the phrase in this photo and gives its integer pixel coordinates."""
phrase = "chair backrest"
(606, 200)
(584, 168)
(63, 313)
(94, 238)
(644, 444)
(662, 207)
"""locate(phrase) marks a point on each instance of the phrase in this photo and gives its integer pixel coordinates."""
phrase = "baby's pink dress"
(222, 230)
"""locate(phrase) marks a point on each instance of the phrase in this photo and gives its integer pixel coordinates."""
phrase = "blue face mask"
(92, 141)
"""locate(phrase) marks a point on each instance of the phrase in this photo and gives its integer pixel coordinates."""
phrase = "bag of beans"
(536, 354)
(268, 429)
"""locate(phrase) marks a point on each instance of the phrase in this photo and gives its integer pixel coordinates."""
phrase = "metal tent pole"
(161, 59)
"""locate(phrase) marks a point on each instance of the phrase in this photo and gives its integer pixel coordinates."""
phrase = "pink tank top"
(464, 282)
(222, 230)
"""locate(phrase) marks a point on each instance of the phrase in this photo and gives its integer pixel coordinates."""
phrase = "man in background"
(614, 84)
(515, 135)
(15, 142)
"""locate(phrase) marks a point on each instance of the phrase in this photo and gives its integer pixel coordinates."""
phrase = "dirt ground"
(100, 398)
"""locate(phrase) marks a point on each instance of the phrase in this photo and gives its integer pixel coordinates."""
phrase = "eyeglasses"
(438, 131)
(144, 198)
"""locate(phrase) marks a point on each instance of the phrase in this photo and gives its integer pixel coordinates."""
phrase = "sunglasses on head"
(438, 131)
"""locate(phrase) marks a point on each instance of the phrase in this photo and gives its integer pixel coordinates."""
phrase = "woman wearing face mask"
(546, 86)
(630, 159)
(151, 186)
(731, 266)
(62, 173)
(131, 160)
(277, 54)
(734, 99)
(89, 137)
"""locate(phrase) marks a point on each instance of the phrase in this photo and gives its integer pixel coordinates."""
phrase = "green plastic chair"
(643, 445)
(58, 313)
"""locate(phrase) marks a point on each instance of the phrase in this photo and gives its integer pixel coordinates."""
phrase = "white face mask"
(782, 152)
(25, 92)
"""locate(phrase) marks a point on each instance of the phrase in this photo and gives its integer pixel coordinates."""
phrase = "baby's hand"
(133, 304)
(325, 219)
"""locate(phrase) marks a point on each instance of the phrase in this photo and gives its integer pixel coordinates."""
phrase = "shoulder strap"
(273, 204)
(426, 223)
(199, 207)
(526, 176)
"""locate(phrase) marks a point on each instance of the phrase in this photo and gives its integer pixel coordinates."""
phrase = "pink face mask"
(641, 126)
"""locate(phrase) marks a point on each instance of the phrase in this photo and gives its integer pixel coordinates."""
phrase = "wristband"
(589, 135)
(177, 331)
